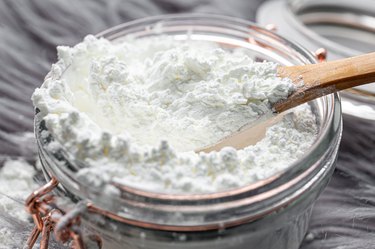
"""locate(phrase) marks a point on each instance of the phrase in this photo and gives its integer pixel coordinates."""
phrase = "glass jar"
(344, 28)
(270, 213)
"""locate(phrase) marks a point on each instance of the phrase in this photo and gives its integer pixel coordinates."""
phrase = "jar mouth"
(265, 43)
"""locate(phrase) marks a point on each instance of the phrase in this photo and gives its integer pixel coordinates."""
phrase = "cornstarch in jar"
(134, 112)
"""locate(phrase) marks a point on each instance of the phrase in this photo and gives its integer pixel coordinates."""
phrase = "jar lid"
(345, 28)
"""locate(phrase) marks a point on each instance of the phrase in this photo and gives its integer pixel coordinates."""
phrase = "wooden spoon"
(318, 80)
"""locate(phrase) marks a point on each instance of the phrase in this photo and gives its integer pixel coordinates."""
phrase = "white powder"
(16, 184)
(135, 111)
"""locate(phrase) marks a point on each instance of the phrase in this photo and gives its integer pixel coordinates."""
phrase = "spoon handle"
(325, 78)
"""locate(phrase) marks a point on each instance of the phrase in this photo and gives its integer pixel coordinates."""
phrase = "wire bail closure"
(47, 218)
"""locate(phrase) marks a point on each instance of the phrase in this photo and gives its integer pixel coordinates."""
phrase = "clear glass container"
(344, 28)
(271, 213)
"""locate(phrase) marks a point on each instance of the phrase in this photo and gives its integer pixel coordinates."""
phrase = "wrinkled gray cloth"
(344, 216)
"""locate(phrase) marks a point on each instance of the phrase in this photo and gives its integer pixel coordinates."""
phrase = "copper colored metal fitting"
(48, 218)
(271, 27)
(321, 54)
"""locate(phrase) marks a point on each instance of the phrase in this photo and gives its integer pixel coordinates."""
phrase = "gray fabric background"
(344, 216)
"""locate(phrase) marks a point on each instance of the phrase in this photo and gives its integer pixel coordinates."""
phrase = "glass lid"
(344, 28)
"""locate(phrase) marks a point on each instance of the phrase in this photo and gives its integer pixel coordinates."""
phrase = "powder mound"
(134, 111)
